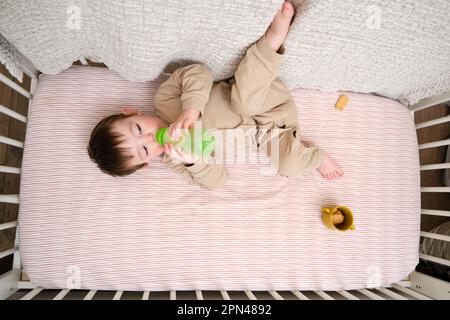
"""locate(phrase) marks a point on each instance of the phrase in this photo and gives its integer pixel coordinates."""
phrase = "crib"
(14, 284)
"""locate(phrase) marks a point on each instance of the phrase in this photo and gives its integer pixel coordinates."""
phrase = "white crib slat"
(435, 236)
(392, 294)
(61, 294)
(432, 122)
(26, 285)
(324, 295)
(299, 295)
(11, 142)
(90, 295)
(435, 189)
(30, 295)
(17, 260)
(434, 144)
(431, 101)
(347, 295)
(436, 212)
(13, 114)
(225, 295)
(371, 295)
(436, 166)
(276, 295)
(83, 61)
(9, 198)
(435, 259)
(411, 292)
(250, 295)
(6, 253)
(199, 294)
(8, 225)
(173, 295)
(14, 86)
(145, 295)
(118, 295)
(7, 169)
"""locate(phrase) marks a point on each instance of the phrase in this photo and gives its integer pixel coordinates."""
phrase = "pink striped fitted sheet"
(154, 231)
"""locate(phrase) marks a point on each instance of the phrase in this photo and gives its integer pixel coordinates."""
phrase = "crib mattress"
(80, 228)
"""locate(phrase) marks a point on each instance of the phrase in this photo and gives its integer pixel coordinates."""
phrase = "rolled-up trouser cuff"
(267, 54)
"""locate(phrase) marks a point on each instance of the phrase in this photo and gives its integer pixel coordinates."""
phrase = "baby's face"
(139, 132)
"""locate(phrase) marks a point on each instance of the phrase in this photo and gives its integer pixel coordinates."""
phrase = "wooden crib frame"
(416, 286)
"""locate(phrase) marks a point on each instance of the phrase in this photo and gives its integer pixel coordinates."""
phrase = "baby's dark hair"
(104, 148)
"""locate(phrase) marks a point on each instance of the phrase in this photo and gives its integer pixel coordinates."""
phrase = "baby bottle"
(194, 141)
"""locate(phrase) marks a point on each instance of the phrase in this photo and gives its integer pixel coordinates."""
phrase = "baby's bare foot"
(329, 169)
(278, 29)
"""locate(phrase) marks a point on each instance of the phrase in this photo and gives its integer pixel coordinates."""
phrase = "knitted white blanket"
(395, 48)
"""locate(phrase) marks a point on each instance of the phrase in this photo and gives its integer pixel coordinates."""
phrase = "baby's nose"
(150, 137)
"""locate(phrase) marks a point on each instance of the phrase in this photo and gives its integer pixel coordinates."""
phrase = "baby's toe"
(288, 8)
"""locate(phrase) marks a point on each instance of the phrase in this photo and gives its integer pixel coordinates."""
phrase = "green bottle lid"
(162, 136)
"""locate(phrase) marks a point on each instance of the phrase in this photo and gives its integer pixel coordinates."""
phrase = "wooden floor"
(12, 156)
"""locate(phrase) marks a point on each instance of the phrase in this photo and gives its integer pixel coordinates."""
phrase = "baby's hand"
(184, 121)
(179, 155)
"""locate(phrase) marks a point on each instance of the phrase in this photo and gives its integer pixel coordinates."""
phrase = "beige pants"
(256, 92)
(253, 98)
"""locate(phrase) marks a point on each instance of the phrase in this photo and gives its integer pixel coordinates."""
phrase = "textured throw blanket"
(395, 48)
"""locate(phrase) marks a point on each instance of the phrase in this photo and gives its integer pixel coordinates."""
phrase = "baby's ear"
(130, 111)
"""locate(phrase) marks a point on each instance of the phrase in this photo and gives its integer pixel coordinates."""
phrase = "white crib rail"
(395, 292)
(426, 103)
(432, 287)
(10, 281)
(420, 286)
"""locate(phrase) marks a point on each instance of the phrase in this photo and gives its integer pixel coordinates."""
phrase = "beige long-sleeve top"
(190, 87)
